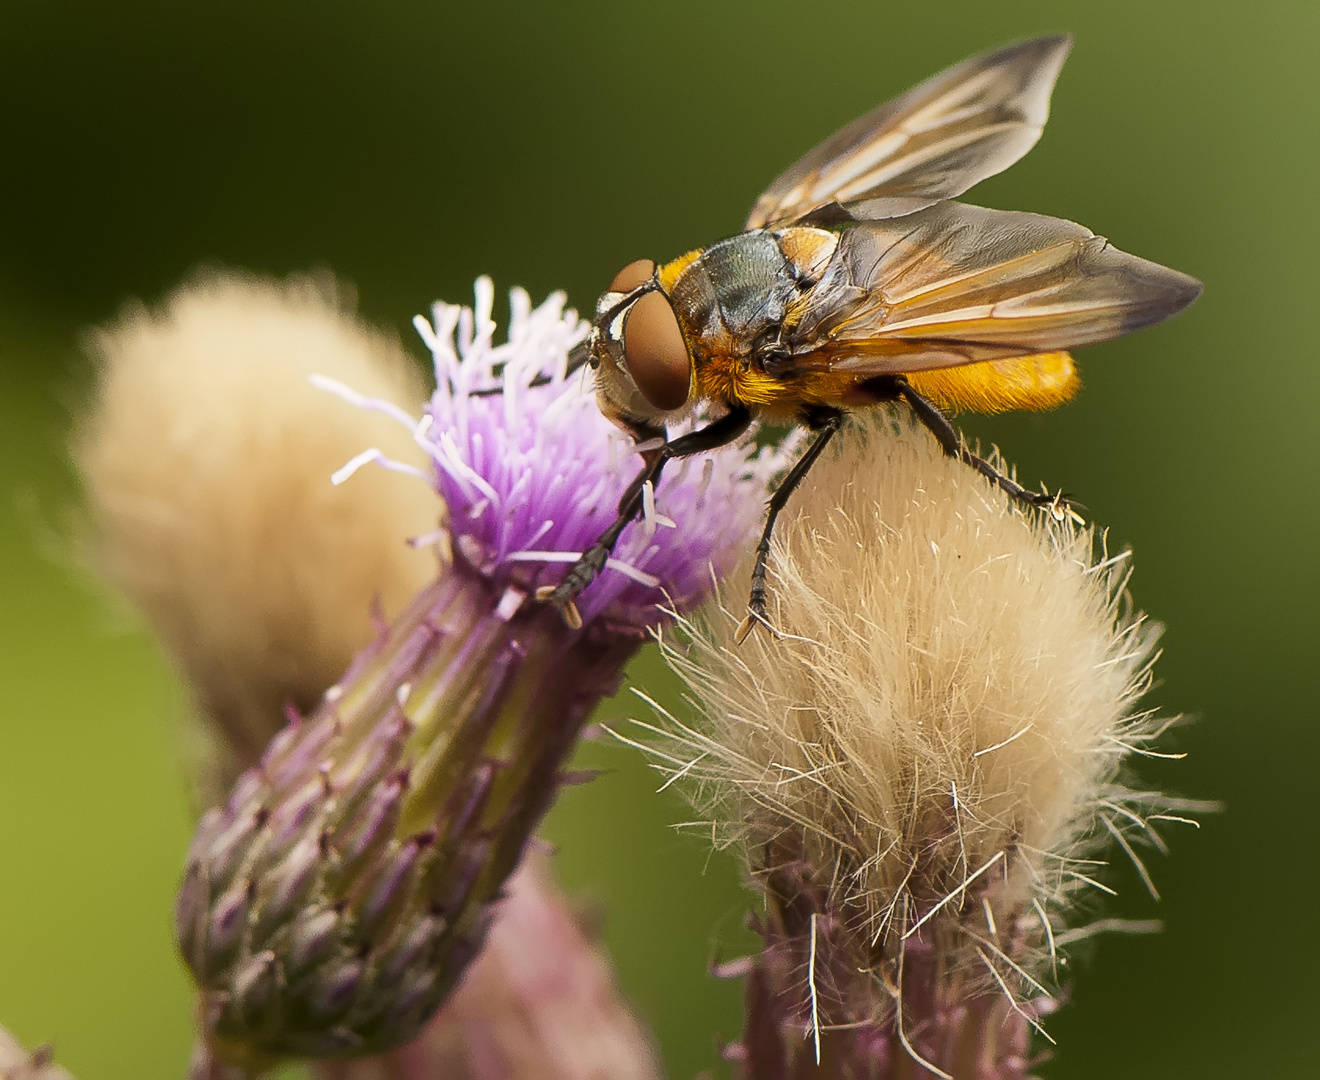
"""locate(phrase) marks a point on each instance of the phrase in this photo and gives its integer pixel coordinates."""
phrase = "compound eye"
(657, 355)
(632, 276)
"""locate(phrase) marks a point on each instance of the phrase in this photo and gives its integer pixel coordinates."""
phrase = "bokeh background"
(411, 145)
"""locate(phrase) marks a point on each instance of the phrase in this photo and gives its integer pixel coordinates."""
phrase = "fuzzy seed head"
(206, 457)
(935, 740)
(19, 1064)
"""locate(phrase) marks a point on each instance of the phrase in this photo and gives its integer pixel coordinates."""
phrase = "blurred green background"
(410, 146)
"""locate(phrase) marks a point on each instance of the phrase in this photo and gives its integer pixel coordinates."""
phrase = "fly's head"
(644, 375)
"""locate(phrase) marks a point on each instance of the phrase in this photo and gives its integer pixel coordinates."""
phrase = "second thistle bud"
(292, 901)
(332, 904)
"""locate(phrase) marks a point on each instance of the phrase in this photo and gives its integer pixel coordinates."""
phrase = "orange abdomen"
(1041, 381)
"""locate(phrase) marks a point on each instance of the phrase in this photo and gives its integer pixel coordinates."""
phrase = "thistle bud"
(18, 1064)
(924, 765)
(539, 1002)
(331, 904)
(204, 458)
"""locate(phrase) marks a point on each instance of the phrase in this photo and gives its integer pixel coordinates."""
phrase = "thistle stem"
(910, 1016)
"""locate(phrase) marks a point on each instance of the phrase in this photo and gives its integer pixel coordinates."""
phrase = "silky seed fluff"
(947, 703)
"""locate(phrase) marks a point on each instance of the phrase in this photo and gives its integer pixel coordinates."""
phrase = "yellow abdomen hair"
(1041, 381)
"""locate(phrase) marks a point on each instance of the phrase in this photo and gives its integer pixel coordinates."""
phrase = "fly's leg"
(582, 573)
(825, 421)
(938, 425)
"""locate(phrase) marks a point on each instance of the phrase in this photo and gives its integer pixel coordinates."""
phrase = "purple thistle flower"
(331, 905)
(531, 476)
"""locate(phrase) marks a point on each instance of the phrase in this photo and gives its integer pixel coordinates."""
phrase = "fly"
(857, 281)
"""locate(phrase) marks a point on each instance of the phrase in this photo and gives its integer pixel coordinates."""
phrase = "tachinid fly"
(857, 281)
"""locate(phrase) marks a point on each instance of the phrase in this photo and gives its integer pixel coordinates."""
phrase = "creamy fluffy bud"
(925, 764)
(18, 1064)
(205, 456)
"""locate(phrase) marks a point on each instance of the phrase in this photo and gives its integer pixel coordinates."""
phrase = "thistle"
(204, 457)
(17, 1064)
(330, 905)
(539, 1003)
(924, 768)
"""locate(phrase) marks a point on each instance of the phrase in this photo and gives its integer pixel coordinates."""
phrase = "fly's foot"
(1058, 505)
(568, 609)
(755, 601)
(581, 574)
(755, 617)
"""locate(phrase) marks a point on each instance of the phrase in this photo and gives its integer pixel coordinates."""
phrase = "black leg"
(718, 433)
(938, 425)
(826, 421)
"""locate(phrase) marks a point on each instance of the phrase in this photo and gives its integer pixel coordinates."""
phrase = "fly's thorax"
(838, 267)
(733, 295)
(740, 298)
(809, 252)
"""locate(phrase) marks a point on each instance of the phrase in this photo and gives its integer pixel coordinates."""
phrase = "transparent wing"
(933, 143)
(955, 284)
